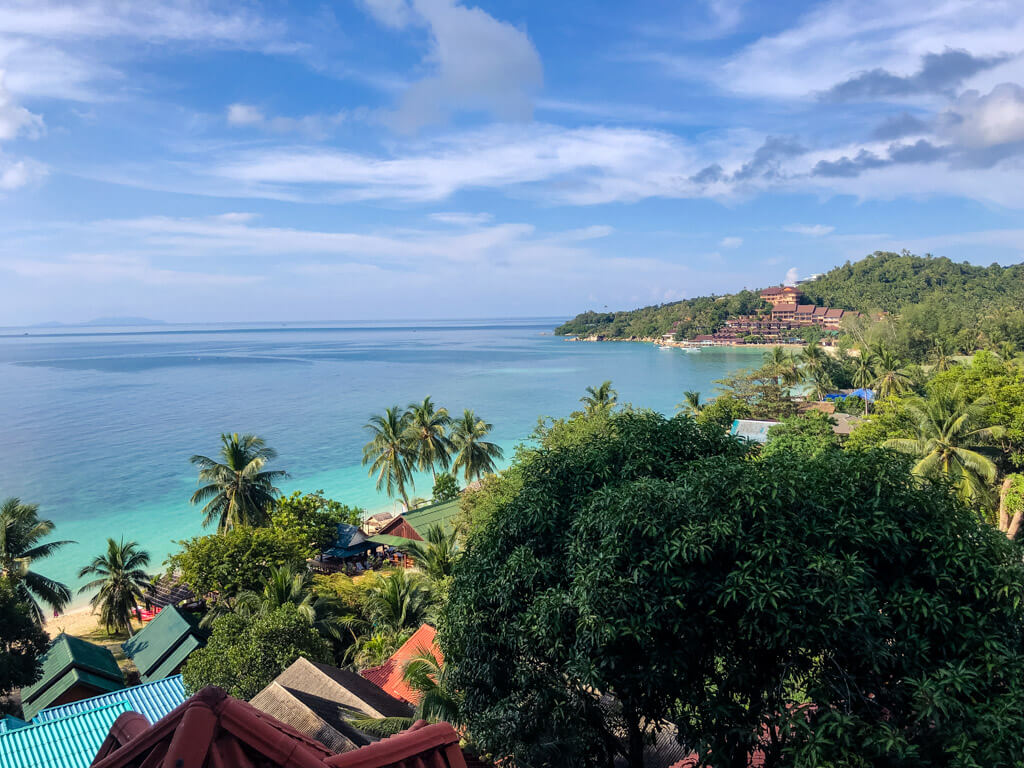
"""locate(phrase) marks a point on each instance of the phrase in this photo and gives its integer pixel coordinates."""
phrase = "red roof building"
(390, 676)
(214, 730)
(779, 294)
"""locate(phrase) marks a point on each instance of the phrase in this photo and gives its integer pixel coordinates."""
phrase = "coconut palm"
(951, 441)
(890, 376)
(691, 403)
(285, 586)
(781, 365)
(424, 674)
(399, 600)
(436, 555)
(389, 452)
(812, 356)
(1007, 351)
(600, 398)
(238, 490)
(21, 532)
(864, 372)
(427, 435)
(820, 381)
(942, 354)
(474, 456)
(121, 583)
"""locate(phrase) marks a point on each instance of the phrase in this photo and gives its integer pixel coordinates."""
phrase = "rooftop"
(160, 647)
(390, 676)
(67, 742)
(421, 520)
(71, 661)
(151, 700)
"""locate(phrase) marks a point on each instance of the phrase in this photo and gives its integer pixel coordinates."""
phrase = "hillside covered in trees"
(928, 300)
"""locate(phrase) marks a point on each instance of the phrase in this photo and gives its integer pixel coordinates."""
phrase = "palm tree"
(121, 583)
(601, 398)
(238, 490)
(813, 356)
(942, 354)
(781, 365)
(950, 442)
(397, 601)
(691, 403)
(1007, 351)
(427, 435)
(864, 373)
(820, 381)
(20, 533)
(424, 674)
(389, 453)
(474, 455)
(436, 555)
(890, 377)
(285, 586)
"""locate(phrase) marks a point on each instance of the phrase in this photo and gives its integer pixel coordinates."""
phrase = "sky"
(197, 161)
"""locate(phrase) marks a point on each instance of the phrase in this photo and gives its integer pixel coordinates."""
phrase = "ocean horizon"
(100, 422)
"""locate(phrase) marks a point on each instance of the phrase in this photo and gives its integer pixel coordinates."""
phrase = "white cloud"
(731, 242)
(20, 173)
(478, 63)
(792, 275)
(15, 119)
(244, 114)
(461, 219)
(977, 121)
(106, 268)
(811, 230)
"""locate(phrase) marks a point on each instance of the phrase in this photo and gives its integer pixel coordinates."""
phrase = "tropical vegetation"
(22, 534)
(238, 489)
(121, 582)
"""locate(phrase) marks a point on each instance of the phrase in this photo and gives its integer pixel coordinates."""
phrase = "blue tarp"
(863, 394)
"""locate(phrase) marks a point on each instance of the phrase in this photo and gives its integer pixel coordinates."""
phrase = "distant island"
(103, 321)
(918, 301)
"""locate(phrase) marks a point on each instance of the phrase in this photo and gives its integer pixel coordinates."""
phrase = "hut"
(72, 669)
(161, 647)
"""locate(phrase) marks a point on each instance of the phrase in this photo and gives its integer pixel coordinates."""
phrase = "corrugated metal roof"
(151, 700)
(69, 742)
(442, 514)
(748, 429)
(10, 723)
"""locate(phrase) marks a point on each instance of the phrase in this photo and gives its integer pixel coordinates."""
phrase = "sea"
(97, 424)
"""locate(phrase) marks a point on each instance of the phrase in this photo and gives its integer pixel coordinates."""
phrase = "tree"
(446, 488)
(426, 431)
(245, 653)
(820, 381)
(656, 577)
(950, 442)
(1011, 505)
(314, 517)
(691, 404)
(21, 534)
(399, 600)
(436, 556)
(724, 410)
(782, 365)
(942, 354)
(22, 640)
(288, 586)
(238, 490)
(813, 356)
(239, 560)
(864, 372)
(474, 456)
(121, 583)
(602, 397)
(389, 452)
(806, 436)
(890, 377)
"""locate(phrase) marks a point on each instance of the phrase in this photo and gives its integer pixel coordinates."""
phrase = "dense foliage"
(239, 559)
(120, 583)
(818, 601)
(314, 517)
(245, 653)
(22, 545)
(22, 640)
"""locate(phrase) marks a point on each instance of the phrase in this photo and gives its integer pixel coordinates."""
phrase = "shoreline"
(686, 345)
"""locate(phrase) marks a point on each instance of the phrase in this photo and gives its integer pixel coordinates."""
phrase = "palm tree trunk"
(1009, 526)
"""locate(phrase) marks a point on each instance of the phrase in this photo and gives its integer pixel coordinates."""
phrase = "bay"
(98, 424)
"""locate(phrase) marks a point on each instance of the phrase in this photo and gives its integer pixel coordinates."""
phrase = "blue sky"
(203, 161)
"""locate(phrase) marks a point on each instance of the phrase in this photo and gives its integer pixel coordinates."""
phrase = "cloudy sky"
(359, 159)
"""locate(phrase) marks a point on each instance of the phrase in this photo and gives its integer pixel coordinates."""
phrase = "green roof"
(162, 645)
(68, 742)
(387, 540)
(70, 661)
(442, 514)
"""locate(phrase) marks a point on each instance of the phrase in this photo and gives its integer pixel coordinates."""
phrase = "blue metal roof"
(151, 700)
(70, 742)
(10, 723)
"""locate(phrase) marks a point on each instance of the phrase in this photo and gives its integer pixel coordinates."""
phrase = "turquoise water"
(98, 425)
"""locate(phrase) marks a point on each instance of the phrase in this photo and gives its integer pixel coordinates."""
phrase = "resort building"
(390, 676)
(214, 730)
(415, 523)
(72, 670)
(318, 700)
(160, 648)
(65, 742)
(781, 294)
(151, 700)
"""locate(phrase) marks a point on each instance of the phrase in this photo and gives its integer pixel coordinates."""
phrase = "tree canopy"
(812, 606)
(22, 640)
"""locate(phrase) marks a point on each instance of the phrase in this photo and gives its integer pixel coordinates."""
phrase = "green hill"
(926, 298)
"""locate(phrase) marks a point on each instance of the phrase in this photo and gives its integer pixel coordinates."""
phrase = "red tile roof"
(390, 675)
(214, 730)
(784, 308)
(834, 313)
(805, 309)
(756, 760)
